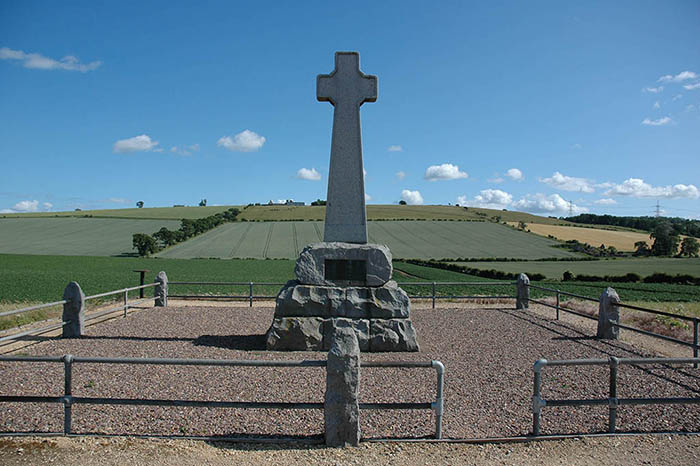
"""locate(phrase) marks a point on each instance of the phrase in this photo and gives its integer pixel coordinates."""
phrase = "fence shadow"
(233, 342)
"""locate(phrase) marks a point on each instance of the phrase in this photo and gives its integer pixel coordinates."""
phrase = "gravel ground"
(667, 450)
(488, 353)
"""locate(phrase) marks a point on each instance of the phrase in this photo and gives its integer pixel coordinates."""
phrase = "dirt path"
(656, 449)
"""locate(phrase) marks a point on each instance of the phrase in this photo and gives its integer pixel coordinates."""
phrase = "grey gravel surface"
(488, 354)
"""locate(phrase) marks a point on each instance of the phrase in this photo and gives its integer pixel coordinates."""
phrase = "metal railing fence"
(68, 399)
(612, 401)
(126, 304)
(433, 295)
(559, 307)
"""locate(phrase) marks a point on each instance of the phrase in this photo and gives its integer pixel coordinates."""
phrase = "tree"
(690, 247)
(139, 204)
(665, 240)
(203, 203)
(144, 244)
(641, 248)
(166, 237)
(402, 202)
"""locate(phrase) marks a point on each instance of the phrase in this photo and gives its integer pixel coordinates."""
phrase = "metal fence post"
(439, 403)
(557, 304)
(126, 301)
(434, 295)
(537, 401)
(250, 294)
(612, 401)
(695, 340)
(68, 393)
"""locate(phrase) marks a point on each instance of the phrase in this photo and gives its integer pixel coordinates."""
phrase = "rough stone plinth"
(310, 266)
(295, 334)
(73, 311)
(313, 333)
(346, 88)
(385, 302)
(608, 314)
(341, 406)
(392, 335)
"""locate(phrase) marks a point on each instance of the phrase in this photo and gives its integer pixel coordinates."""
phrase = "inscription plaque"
(344, 270)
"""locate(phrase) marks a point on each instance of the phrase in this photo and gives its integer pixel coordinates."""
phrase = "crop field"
(152, 213)
(74, 236)
(622, 240)
(406, 239)
(555, 269)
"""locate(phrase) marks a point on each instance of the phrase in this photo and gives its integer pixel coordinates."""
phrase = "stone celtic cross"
(346, 88)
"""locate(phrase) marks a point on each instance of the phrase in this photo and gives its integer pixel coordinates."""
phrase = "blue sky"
(517, 105)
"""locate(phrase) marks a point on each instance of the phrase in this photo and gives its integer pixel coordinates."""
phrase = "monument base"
(305, 316)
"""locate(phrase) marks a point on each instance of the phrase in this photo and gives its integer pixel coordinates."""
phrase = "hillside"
(283, 213)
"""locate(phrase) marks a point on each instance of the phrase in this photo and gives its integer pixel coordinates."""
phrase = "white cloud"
(446, 171)
(395, 148)
(308, 174)
(660, 122)
(677, 96)
(636, 187)
(689, 108)
(568, 183)
(606, 201)
(690, 87)
(577, 146)
(400, 175)
(657, 104)
(539, 203)
(367, 197)
(38, 61)
(488, 199)
(28, 206)
(245, 141)
(185, 150)
(496, 180)
(514, 174)
(682, 76)
(142, 143)
(412, 197)
(653, 90)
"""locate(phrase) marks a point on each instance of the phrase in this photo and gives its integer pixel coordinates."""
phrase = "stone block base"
(315, 334)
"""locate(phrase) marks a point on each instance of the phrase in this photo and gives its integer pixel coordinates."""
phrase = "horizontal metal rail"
(33, 331)
(562, 308)
(587, 298)
(68, 400)
(612, 401)
(32, 308)
(109, 293)
(654, 311)
(657, 335)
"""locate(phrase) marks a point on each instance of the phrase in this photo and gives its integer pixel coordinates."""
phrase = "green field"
(554, 269)
(406, 239)
(74, 236)
(25, 278)
(152, 213)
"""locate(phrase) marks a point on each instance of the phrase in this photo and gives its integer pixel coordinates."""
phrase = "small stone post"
(342, 407)
(73, 311)
(608, 314)
(522, 300)
(160, 292)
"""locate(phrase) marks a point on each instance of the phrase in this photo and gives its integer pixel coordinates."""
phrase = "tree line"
(150, 244)
(680, 226)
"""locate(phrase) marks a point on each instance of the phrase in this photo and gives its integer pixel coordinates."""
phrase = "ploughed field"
(75, 236)
(488, 354)
(621, 239)
(406, 239)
